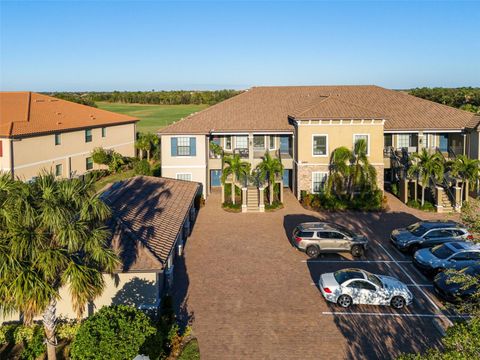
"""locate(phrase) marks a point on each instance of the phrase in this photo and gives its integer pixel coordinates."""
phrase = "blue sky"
(144, 45)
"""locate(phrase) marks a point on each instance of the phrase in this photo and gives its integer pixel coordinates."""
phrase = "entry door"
(443, 142)
(284, 144)
(215, 177)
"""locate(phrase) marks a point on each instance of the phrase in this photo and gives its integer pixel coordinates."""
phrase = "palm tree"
(362, 174)
(237, 168)
(425, 166)
(339, 171)
(52, 235)
(146, 143)
(468, 170)
(268, 169)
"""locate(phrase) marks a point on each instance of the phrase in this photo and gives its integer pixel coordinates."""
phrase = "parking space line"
(430, 300)
(357, 261)
(393, 314)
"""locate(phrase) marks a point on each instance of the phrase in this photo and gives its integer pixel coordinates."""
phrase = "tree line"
(180, 97)
(465, 98)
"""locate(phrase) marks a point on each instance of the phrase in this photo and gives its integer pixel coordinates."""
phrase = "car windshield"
(417, 229)
(343, 275)
(442, 251)
(345, 231)
(375, 280)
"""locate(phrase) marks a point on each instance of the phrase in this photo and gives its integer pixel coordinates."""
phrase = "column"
(261, 199)
(244, 199)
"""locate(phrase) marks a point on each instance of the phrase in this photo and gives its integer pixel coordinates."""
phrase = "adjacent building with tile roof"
(40, 132)
(303, 125)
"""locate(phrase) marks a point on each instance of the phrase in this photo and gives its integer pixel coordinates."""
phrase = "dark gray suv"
(427, 234)
(315, 238)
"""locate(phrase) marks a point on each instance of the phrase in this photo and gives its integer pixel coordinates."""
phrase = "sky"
(145, 45)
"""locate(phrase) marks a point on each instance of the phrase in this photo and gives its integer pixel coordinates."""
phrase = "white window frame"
(274, 142)
(368, 142)
(398, 140)
(61, 169)
(264, 142)
(241, 136)
(187, 140)
(183, 173)
(326, 145)
(313, 178)
(225, 142)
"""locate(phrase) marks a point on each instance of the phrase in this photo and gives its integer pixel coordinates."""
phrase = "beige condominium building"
(39, 132)
(303, 125)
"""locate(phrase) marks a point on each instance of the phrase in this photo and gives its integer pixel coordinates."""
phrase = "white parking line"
(393, 314)
(430, 300)
(357, 261)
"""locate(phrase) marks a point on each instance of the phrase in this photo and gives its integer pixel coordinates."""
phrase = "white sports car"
(355, 286)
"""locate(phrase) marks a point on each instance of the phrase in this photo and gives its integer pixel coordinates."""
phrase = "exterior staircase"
(252, 199)
(445, 202)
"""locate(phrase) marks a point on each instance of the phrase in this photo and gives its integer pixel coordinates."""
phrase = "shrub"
(395, 189)
(142, 167)
(116, 162)
(101, 156)
(427, 206)
(23, 333)
(35, 346)
(275, 205)
(67, 329)
(229, 205)
(114, 332)
(6, 334)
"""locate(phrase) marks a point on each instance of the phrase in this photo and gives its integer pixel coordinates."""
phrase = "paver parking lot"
(250, 295)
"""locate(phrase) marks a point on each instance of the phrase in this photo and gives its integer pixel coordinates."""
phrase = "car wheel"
(313, 251)
(413, 249)
(397, 302)
(357, 250)
(344, 301)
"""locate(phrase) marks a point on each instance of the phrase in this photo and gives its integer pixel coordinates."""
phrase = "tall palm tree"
(424, 166)
(52, 235)
(146, 143)
(468, 170)
(237, 168)
(363, 175)
(268, 169)
(339, 171)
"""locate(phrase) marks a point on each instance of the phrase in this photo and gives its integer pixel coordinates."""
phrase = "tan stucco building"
(39, 132)
(303, 125)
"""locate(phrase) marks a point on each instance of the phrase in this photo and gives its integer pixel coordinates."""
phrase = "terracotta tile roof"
(151, 211)
(267, 109)
(27, 113)
(474, 123)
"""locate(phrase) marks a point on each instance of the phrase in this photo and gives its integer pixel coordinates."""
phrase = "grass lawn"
(122, 175)
(152, 117)
(190, 351)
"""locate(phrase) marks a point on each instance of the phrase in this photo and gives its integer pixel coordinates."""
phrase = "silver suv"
(315, 238)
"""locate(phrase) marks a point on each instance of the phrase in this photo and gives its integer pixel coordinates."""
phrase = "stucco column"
(244, 199)
(421, 141)
(438, 198)
(223, 194)
(457, 193)
(467, 191)
(261, 200)
(68, 160)
(250, 148)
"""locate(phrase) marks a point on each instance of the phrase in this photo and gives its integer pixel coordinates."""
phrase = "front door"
(443, 142)
(215, 177)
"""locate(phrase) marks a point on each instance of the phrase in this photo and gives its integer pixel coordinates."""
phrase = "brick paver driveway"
(250, 295)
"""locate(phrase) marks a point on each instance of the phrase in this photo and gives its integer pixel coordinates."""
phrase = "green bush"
(369, 201)
(229, 205)
(395, 189)
(6, 334)
(142, 167)
(275, 205)
(416, 204)
(114, 332)
(23, 333)
(67, 329)
(191, 351)
(35, 346)
(101, 156)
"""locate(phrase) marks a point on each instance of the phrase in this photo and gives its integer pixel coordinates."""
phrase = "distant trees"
(465, 98)
(149, 97)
